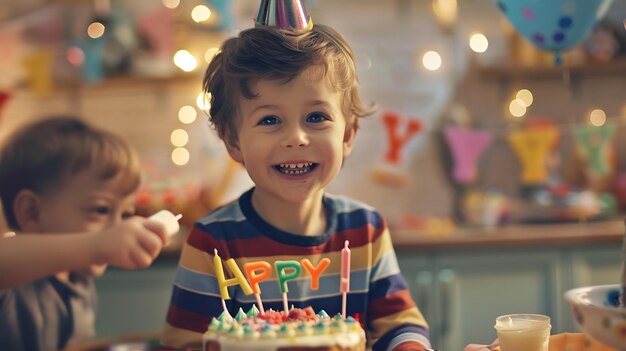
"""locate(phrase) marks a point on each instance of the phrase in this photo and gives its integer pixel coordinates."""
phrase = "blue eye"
(316, 117)
(128, 214)
(101, 210)
(269, 120)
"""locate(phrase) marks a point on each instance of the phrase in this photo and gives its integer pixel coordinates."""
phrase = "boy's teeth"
(295, 168)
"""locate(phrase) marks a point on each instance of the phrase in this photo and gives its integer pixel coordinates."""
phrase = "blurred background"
(478, 134)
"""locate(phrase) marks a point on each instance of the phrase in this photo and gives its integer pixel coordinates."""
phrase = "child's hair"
(271, 53)
(42, 155)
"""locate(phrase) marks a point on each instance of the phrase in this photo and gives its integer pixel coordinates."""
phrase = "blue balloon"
(554, 25)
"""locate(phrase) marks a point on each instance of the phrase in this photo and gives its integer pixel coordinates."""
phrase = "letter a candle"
(344, 285)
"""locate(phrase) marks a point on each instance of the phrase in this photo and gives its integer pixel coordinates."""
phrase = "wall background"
(388, 39)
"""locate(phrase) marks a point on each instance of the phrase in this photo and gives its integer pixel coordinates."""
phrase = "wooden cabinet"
(461, 292)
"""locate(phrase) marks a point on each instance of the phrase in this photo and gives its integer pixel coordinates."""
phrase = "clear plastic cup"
(523, 332)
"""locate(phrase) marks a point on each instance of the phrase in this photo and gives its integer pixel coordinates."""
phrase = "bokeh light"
(431, 60)
(184, 60)
(180, 156)
(95, 30)
(478, 43)
(597, 118)
(179, 137)
(200, 13)
(187, 114)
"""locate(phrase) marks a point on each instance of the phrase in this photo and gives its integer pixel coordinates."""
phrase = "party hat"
(284, 14)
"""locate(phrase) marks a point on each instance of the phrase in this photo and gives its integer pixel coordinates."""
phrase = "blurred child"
(286, 106)
(68, 190)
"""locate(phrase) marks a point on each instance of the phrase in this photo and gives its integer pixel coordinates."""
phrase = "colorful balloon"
(554, 25)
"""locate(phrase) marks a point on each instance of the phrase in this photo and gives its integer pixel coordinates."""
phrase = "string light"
(170, 4)
(179, 137)
(200, 13)
(517, 108)
(180, 156)
(525, 96)
(446, 12)
(478, 43)
(597, 118)
(187, 114)
(184, 60)
(431, 60)
(95, 30)
(203, 101)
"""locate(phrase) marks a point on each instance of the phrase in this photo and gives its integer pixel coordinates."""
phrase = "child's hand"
(131, 244)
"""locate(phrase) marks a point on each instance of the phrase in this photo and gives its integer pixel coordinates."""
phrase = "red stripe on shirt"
(390, 304)
(185, 319)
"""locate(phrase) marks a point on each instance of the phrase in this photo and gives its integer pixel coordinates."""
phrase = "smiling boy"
(286, 106)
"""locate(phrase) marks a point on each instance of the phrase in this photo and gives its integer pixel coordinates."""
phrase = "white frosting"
(345, 340)
(168, 219)
(255, 334)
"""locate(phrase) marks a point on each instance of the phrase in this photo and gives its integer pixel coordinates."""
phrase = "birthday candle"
(255, 279)
(219, 273)
(168, 219)
(315, 272)
(224, 283)
(283, 277)
(344, 284)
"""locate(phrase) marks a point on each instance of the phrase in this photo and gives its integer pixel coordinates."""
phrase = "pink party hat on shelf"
(289, 15)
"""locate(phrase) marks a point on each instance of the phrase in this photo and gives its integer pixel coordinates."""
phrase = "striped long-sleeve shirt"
(378, 296)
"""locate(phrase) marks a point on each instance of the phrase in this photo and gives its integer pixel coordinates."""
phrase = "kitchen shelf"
(512, 71)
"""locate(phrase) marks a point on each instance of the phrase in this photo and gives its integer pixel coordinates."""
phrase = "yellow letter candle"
(224, 283)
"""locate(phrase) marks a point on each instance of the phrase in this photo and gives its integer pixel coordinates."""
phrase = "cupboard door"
(133, 301)
(472, 289)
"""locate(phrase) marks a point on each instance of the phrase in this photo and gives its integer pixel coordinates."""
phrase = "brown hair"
(41, 155)
(271, 53)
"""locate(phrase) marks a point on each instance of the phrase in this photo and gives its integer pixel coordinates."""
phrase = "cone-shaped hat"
(284, 14)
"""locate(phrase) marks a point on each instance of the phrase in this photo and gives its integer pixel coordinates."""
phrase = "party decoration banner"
(466, 146)
(393, 123)
(39, 68)
(554, 25)
(157, 26)
(595, 142)
(532, 147)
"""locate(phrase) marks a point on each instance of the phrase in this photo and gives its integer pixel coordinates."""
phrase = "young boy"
(286, 106)
(68, 190)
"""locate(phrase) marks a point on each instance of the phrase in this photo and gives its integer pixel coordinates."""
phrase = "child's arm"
(396, 324)
(131, 244)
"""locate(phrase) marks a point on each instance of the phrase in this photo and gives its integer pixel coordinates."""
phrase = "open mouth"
(295, 169)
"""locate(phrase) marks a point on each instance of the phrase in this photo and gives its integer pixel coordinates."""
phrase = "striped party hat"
(288, 15)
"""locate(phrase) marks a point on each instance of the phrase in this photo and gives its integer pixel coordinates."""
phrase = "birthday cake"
(300, 330)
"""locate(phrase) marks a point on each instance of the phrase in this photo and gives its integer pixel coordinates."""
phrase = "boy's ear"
(349, 136)
(232, 145)
(26, 208)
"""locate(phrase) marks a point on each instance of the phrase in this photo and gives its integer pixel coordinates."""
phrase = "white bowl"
(595, 310)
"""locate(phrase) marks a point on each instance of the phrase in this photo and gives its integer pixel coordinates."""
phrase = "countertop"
(568, 234)
(515, 235)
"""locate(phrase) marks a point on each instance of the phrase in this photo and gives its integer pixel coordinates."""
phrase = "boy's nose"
(115, 219)
(296, 137)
